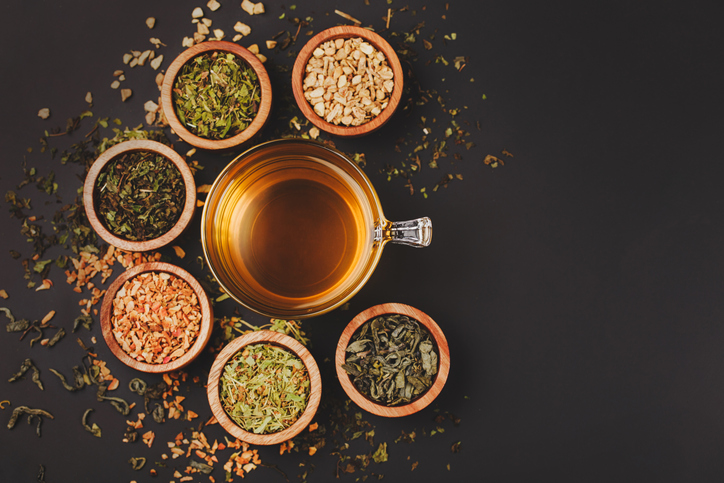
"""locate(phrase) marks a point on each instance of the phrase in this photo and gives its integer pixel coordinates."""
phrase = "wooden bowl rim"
(443, 360)
(130, 146)
(207, 318)
(347, 31)
(216, 144)
(286, 342)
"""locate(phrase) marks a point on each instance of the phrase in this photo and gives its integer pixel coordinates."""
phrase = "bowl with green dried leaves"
(139, 195)
(347, 81)
(264, 387)
(216, 95)
(392, 360)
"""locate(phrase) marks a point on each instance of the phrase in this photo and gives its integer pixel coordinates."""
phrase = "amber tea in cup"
(297, 230)
(292, 228)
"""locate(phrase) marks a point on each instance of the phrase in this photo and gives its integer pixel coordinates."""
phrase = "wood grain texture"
(207, 318)
(443, 360)
(286, 342)
(126, 147)
(298, 74)
(212, 144)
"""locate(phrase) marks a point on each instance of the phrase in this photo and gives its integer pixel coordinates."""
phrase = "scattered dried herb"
(58, 335)
(138, 386)
(24, 367)
(77, 377)
(380, 456)
(154, 391)
(216, 95)
(82, 321)
(15, 325)
(391, 359)
(120, 404)
(95, 430)
(140, 195)
(264, 388)
(31, 413)
(202, 467)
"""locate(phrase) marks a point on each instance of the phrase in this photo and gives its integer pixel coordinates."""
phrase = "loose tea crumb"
(156, 317)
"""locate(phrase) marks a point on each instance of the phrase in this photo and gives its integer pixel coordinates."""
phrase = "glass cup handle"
(416, 233)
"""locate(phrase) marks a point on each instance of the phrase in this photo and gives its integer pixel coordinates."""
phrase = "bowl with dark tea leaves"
(347, 81)
(264, 387)
(392, 360)
(293, 228)
(139, 195)
(156, 317)
(216, 95)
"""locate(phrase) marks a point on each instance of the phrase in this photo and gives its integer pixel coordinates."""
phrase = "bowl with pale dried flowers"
(156, 317)
(347, 81)
(216, 95)
(264, 387)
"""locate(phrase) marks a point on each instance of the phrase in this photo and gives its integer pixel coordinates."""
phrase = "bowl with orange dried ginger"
(156, 317)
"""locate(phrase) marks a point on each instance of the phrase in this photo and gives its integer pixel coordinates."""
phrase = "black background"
(578, 284)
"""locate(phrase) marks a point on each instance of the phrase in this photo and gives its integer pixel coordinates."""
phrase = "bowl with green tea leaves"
(392, 360)
(264, 387)
(216, 95)
(139, 195)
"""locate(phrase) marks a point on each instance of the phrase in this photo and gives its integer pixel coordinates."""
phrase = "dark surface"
(578, 285)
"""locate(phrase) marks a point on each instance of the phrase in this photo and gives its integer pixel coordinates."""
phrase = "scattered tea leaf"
(137, 463)
(380, 456)
(95, 430)
(32, 413)
(24, 367)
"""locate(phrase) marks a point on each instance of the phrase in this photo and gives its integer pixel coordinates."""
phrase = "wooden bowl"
(443, 361)
(298, 74)
(125, 147)
(207, 318)
(281, 340)
(213, 144)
